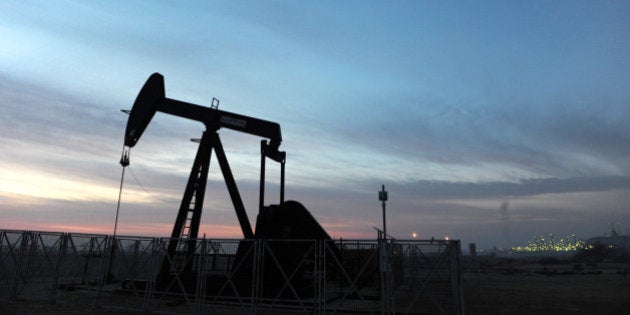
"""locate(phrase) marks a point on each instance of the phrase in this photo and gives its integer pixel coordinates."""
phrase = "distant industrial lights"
(414, 235)
(564, 244)
(446, 237)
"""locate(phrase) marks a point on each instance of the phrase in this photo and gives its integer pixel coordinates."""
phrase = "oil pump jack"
(286, 220)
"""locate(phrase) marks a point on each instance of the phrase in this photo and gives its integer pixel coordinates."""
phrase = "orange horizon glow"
(213, 231)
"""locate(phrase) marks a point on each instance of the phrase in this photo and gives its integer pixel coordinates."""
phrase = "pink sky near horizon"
(148, 230)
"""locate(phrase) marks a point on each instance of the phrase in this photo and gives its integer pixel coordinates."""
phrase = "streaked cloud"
(455, 108)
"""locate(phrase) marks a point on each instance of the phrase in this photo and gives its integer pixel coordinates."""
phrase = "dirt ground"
(521, 288)
(491, 286)
(43, 308)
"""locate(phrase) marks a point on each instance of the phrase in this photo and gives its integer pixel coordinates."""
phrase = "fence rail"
(238, 276)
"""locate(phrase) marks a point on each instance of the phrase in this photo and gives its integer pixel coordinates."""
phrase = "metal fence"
(234, 276)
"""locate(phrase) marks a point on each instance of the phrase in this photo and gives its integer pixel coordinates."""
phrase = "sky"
(491, 122)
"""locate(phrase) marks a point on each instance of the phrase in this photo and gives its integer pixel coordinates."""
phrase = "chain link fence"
(232, 276)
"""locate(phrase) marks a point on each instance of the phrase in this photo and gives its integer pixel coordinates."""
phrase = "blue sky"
(457, 107)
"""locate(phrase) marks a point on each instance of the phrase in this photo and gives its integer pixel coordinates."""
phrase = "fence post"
(61, 253)
(257, 274)
(201, 277)
(385, 271)
(22, 259)
(89, 255)
(456, 276)
(104, 276)
(320, 277)
(152, 274)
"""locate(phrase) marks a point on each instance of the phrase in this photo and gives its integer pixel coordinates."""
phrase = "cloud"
(453, 113)
(537, 140)
(525, 187)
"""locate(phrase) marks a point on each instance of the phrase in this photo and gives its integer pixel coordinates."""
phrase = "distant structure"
(614, 240)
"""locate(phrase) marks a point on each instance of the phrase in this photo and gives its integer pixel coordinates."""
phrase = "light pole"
(382, 196)
(385, 266)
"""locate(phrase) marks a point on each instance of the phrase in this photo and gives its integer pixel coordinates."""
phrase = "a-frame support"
(186, 228)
